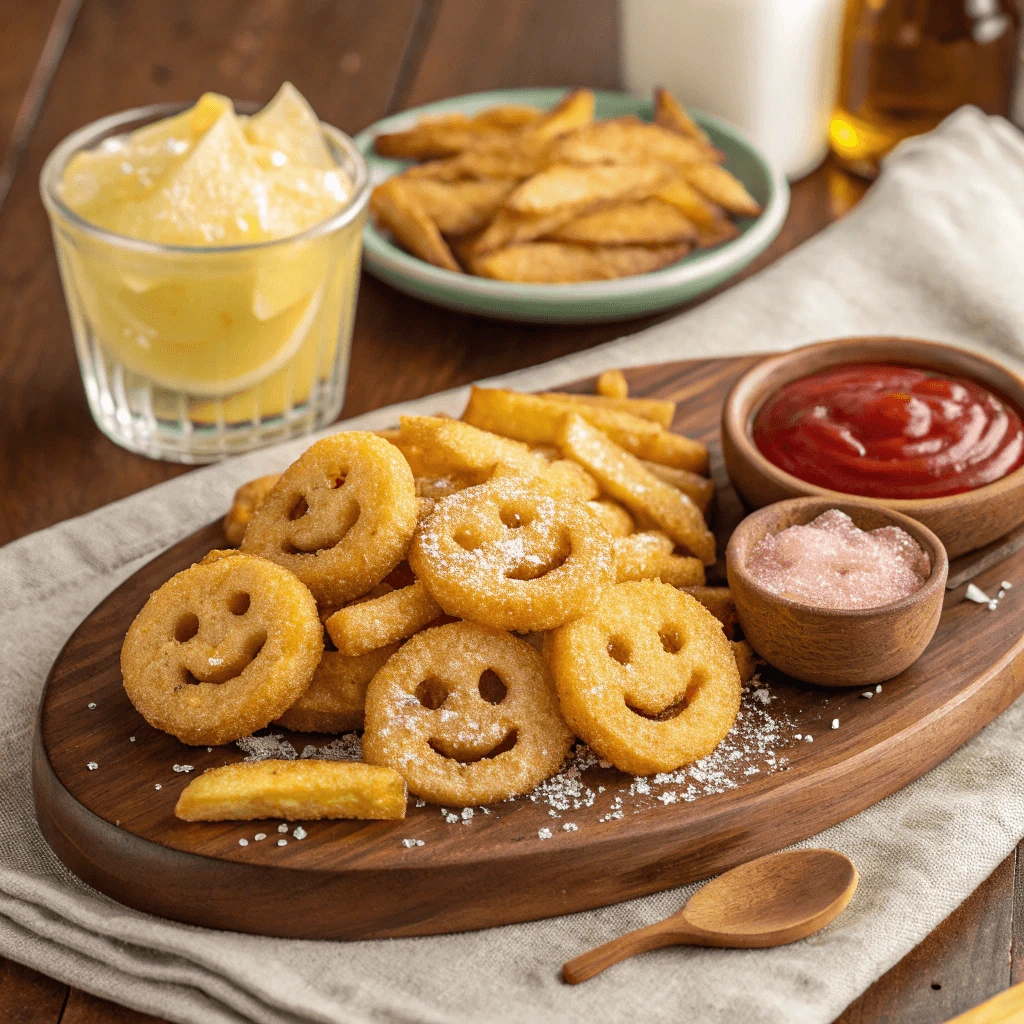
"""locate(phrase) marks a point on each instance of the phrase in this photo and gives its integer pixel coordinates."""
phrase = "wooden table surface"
(66, 62)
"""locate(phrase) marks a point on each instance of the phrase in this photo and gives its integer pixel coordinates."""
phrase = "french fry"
(623, 477)
(459, 207)
(718, 601)
(699, 489)
(648, 556)
(656, 410)
(628, 140)
(617, 521)
(694, 206)
(509, 160)
(562, 263)
(721, 187)
(368, 625)
(509, 229)
(307, 789)
(510, 117)
(574, 110)
(649, 221)
(564, 186)
(746, 660)
(412, 228)
(573, 479)
(449, 134)
(670, 114)
(613, 384)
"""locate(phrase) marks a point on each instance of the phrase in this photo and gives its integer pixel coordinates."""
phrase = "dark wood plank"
(83, 1008)
(178, 50)
(28, 997)
(1017, 944)
(965, 961)
(462, 877)
(34, 35)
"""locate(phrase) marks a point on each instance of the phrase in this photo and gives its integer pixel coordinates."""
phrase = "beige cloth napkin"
(936, 249)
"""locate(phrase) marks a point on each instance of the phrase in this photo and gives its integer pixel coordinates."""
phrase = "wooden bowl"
(963, 522)
(827, 646)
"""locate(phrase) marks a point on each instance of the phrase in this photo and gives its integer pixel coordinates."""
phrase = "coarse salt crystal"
(543, 833)
(878, 688)
(184, 768)
(411, 843)
(976, 594)
(91, 705)
(835, 723)
(799, 736)
(762, 695)
(809, 738)
(570, 827)
(299, 832)
(131, 739)
(260, 836)
(282, 842)
(92, 766)
(867, 694)
(420, 802)
(1006, 585)
(467, 813)
(243, 842)
(452, 818)
(282, 828)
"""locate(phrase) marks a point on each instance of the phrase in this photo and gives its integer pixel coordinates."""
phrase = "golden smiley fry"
(647, 678)
(222, 649)
(247, 499)
(467, 714)
(648, 556)
(303, 790)
(341, 516)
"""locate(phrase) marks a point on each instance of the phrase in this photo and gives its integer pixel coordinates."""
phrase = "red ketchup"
(885, 431)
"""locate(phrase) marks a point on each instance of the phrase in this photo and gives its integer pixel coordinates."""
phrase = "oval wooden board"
(114, 826)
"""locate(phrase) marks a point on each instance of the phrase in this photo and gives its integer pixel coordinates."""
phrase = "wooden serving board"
(114, 825)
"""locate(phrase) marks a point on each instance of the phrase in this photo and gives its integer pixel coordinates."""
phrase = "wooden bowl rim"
(814, 506)
(749, 393)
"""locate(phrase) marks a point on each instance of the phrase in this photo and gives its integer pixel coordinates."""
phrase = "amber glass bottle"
(906, 64)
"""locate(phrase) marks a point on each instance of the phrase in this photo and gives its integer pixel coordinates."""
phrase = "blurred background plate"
(593, 301)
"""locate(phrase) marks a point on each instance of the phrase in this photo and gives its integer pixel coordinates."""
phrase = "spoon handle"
(654, 936)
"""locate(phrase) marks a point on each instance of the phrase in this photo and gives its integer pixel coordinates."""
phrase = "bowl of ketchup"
(929, 430)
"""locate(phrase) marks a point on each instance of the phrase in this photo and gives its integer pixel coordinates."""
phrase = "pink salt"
(831, 563)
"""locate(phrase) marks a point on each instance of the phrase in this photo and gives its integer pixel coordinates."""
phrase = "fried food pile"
(474, 594)
(518, 194)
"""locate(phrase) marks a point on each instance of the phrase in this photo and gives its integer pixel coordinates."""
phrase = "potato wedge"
(574, 110)
(563, 185)
(623, 477)
(612, 384)
(718, 601)
(723, 230)
(508, 116)
(721, 187)
(704, 214)
(510, 228)
(672, 115)
(368, 625)
(649, 221)
(564, 263)
(699, 489)
(510, 159)
(657, 410)
(449, 134)
(397, 212)
(459, 207)
(294, 790)
(747, 660)
(648, 556)
(628, 140)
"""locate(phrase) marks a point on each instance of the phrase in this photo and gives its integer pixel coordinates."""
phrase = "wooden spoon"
(765, 902)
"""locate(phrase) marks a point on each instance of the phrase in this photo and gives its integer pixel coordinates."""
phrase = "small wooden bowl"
(826, 646)
(963, 522)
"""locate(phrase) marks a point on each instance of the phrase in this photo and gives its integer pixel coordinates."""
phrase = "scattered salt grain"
(158, 786)
(799, 736)
(452, 819)
(209, 750)
(260, 836)
(282, 827)
(243, 842)
(570, 827)
(420, 802)
(92, 766)
(763, 696)
(91, 705)
(345, 748)
(186, 768)
(867, 695)
(809, 738)
(878, 688)
(467, 813)
(543, 833)
(976, 594)
(299, 832)
(282, 842)
(411, 843)
(273, 747)
(835, 723)
(131, 739)
(1006, 585)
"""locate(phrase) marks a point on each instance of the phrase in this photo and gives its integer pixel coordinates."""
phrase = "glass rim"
(87, 136)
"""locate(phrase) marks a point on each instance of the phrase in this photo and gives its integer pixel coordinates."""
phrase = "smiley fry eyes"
(186, 627)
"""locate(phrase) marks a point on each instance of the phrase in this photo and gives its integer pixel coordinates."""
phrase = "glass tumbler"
(190, 354)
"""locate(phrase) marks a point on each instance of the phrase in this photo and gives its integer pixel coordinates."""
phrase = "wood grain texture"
(965, 961)
(28, 997)
(463, 877)
(83, 1008)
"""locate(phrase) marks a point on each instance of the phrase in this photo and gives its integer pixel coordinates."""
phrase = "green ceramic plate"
(592, 301)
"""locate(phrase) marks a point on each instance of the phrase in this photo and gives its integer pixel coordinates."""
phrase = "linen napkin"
(936, 250)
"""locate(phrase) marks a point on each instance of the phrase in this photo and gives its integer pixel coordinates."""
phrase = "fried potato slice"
(656, 410)
(649, 221)
(628, 140)
(449, 134)
(617, 521)
(294, 790)
(613, 384)
(699, 489)
(718, 601)
(564, 263)
(247, 499)
(649, 556)
(459, 207)
(508, 116)
(672, 115)
(747, 660)
(518, 159)
(723, 230)
(722, 187)
(564, 185)
(509, 228)
(623, 477)
(368, 625)
(573, 110)
(395, 210)
(694, 206)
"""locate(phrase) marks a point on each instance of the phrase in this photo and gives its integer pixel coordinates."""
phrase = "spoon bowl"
(770, 901)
